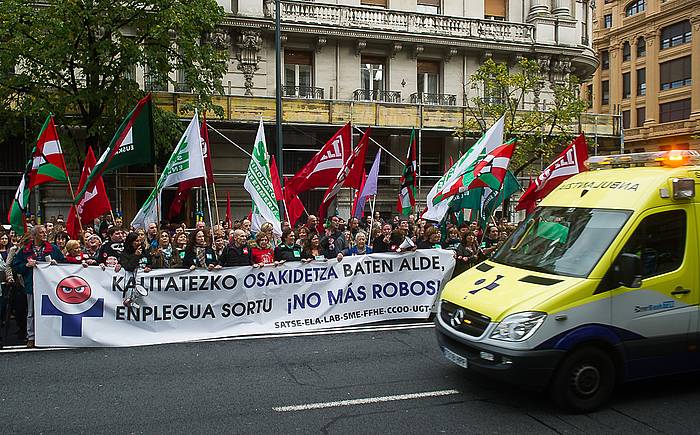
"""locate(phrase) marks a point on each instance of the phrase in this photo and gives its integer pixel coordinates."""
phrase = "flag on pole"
(48, 163)
(407, 192)
(569, 163)
(355, 200)
(295, 208)
(131, 144)
(333, 189)
(18, 209)
(94, 203)
(323, 168)
(185, 163)
(184, 188)
(483, 200)
(437, 206)
(370, 186)
(491, 171)
(258, 183)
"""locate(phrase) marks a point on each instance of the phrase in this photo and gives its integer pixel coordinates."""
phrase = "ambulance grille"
(473, 324)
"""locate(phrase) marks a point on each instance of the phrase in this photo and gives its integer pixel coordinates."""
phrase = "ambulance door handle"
(680, 291)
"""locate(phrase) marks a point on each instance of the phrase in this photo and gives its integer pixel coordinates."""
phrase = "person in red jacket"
(262, 252)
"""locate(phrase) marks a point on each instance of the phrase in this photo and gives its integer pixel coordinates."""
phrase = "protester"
(312, 249)
(111, 250)
(74, 253)
(288, 250)
(490, 242)
(132, 255)
(382, 242)
(466, 254)
(360, 247)
(453, 239)
(237, 253)
(162, 255)
(38, 249)
(60, 240)
(262, 253)
(198, 253)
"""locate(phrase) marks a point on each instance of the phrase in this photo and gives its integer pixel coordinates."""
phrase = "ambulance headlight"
(518, 326)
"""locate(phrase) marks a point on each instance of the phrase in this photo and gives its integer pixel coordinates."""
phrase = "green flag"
(258, 183)
(132, 144)
(484, 200)
(18, 208)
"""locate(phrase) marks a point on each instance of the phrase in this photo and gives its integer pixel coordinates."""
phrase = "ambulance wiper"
(536, 268)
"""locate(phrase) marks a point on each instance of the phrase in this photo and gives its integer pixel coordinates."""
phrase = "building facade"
(392, 65)
(649, 74)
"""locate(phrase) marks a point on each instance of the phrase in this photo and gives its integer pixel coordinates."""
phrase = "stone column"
(615, 74)
(652, 65)
(561, 8)
(633, 83)
(695, 71)
(539, 7)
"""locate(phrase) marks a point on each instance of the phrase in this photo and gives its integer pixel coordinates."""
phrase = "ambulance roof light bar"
(673, 158)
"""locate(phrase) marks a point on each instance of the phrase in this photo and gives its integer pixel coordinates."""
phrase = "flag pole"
(70, 185)
(206, 188)
(216, 201)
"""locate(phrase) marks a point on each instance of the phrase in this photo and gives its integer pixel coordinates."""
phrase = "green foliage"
(541, 127)
(77, 59)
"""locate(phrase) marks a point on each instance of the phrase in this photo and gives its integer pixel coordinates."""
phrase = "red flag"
(357, 173)
(184, 188)
(228, 210)
(323, 168)
(491, 171)
(93, 204)
(357, 197)
(276, 185)
(334, 188)
(569, 163)
(47, 159)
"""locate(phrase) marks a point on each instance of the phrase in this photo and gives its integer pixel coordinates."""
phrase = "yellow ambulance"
(600, 285)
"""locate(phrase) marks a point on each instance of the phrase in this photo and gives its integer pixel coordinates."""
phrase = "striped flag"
(407, 194)
(47, 158)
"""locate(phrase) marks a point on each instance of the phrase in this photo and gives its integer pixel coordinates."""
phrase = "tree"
(77, 59)
(541, 126)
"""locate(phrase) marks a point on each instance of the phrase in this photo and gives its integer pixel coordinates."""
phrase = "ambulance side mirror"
(628, 270)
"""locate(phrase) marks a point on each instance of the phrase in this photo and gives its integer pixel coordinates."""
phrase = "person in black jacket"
(237, 253)
(288, 250)
(198, 253)
(132, 255)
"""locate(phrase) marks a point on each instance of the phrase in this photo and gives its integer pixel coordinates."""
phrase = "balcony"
(154, 86)
(302, 92)
(374, 95)
(364, 19)
(248, 110)
(182, 87)
(434, 99)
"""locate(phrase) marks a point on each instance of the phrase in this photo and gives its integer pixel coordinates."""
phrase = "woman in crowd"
(262, 252)
(179, 243)
(60, 240)
(198, 253)
(453, 238)
(288, 250)
(161, 257)
(302, 235)
(467, 253)
(219, 242)
(92, 247)
(74, 253)
(4, 246)
(267, 229)
(431, 239)
(360, 247)
(131, 258)
(312, 249)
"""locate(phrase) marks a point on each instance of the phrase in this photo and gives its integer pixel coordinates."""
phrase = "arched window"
(641, 47)
(635, 7)
(626, 51)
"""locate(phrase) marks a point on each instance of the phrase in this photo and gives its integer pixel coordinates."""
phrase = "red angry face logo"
(73, 290)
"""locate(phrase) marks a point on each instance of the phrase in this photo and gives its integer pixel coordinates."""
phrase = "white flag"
(185, 163)
(258, 183)
(488, 142)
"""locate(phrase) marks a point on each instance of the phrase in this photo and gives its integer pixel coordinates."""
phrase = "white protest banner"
(80, 307)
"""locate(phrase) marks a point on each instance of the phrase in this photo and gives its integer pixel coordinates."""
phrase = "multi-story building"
(649, 74)
(393, 65)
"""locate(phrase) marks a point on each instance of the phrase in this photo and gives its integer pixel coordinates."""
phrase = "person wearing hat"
(92, 248)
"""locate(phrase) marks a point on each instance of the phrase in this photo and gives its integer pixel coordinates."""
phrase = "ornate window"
(605, 92)
(641, 81)
(675, 34)
(604, 59)
(626, 85)
(607, 21)
(626, 51)
(635, 7)
(675, 73)
(641, 47)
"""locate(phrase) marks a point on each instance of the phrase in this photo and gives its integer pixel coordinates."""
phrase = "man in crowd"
(237, 253)
(111, 250)
(311, 223)
(152, 236)
(38, 249)
(382, 242)
(334, 241)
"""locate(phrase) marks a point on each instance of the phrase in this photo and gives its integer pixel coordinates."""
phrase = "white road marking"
(366, 401)
(356, 329)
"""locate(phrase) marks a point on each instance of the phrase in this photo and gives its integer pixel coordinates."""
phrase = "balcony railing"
(153, 86)
(364, 18)
(182, 87)
(434, 99)
(302, 92)
(374, 95)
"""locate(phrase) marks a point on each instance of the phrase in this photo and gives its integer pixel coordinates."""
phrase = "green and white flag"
(185, 163)
(258, 183)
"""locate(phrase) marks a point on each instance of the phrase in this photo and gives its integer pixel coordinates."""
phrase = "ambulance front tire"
(584, 381)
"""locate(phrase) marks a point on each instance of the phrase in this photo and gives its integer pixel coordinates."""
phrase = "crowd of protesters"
(107, 243)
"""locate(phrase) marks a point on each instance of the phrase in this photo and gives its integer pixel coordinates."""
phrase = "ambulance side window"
(659, 240)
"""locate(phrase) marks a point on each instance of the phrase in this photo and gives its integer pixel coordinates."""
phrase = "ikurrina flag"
(94, 204)
(569, 163)
(355, 158)
(491, 171)
(132, 144)
(47, 158)
(18, 208)
(258, 183)
(407, 192)
(185, 163)
(437, 203)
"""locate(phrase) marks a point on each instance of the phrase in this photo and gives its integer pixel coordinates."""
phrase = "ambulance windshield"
(562, 241)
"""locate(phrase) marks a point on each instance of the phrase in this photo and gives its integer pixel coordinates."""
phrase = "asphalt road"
(265, 385)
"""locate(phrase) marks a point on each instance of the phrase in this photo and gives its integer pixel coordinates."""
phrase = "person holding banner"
(262, 252)
(199, 254)
(312, 249)
(38, 249)
(237, 253)
(288, 250)
(360, 247)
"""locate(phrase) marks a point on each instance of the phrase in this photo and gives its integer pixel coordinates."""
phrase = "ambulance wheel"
(584, 381)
